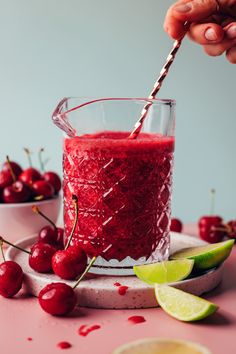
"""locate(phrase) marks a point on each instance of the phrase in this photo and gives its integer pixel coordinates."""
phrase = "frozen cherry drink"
(124, 192)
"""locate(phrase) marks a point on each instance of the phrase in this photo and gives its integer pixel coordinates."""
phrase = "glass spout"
(60, 118)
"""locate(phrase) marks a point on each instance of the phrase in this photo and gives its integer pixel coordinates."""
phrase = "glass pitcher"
(123, 185)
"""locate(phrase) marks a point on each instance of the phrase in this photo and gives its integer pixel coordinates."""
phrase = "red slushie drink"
(123, 188)
(123, 185)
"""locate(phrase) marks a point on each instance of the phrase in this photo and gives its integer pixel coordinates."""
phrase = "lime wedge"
(206, 257)
(164, 272)
(181, 305)
(161, 346)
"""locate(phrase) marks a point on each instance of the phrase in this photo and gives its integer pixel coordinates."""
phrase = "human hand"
(212, 24)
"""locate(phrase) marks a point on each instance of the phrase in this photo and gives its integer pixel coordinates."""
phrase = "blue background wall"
(56, 48)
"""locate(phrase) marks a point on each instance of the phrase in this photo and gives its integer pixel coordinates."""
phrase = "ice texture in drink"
(124, 190)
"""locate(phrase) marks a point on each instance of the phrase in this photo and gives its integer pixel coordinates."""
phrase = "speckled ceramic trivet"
(105, 292)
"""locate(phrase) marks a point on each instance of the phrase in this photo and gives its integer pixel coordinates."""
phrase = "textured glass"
(124, 193)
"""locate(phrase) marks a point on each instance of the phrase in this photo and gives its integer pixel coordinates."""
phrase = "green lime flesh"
(181, 305)
(164, 272)
(206, 257)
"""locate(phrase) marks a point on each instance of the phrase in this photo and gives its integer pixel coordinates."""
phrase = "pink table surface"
(21, 318)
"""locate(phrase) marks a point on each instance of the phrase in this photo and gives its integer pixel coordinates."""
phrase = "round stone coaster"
(116, 292)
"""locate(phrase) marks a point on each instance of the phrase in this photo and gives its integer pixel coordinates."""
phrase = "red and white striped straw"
(156, 88)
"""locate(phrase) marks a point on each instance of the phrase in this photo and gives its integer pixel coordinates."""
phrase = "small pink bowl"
(18, 220)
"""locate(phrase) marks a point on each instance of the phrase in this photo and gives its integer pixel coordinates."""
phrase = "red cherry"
(176, 225)
(18, 192)
(5, 179)
(16, 169)
(231, 229)
(40, 258)
(211, 229)
(11, 278)
(48, 234)
(57, 299)
(43, 189)
(30, 175)
(53, 179)
(70, 263)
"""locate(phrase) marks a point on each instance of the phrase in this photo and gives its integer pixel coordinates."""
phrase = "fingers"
(206, 33)
(187, 10)
(228, 44)
(218, 49)
(231, 55)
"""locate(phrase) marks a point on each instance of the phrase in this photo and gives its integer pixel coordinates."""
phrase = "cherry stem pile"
(37, 211)
(75, 202)
(85, 272)
(2, 240)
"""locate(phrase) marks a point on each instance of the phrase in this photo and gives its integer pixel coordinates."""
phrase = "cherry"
(30, 175)
(5, 179)
(40, 258)
(53, 179)
(50, 234)
(18, 192)
(42, 190)
(231, 229)
(70, 263)
(9, 173)
(57, 299)
(176, 225)
(11, 278)
(211, 229)
(15, 167)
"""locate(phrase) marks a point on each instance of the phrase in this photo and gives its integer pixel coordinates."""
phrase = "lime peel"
(206, 257)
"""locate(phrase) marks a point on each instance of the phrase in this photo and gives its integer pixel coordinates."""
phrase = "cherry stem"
(3, 256)
(85, 272)
(75, 202)
(10, 169)
(2, 240)
(41, 160)
(37, 211)
(28, 153)
(212, 208)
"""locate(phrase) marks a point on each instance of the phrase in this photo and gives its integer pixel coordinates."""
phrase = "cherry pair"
(67, 263)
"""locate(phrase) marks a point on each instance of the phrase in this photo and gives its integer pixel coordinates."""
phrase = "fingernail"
(183, 8)
(231, 32)
(210, 34)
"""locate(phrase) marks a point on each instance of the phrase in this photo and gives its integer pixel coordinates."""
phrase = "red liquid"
(85, 330)
(123, 188)
(136, 319)
(122, 290)
(64, 345)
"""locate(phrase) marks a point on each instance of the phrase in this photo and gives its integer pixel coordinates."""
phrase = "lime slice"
(161, 346)
(181, 305)
(164, 272)
(206, 257)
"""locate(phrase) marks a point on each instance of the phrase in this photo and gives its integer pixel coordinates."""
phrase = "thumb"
(187, 10)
